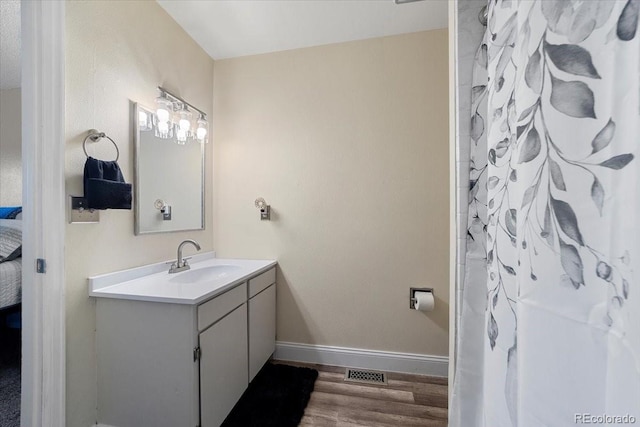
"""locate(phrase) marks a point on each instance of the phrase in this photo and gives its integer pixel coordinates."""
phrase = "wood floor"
(406, 401)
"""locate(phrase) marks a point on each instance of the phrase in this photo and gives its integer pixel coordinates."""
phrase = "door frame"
(43, 130)
(453, 188)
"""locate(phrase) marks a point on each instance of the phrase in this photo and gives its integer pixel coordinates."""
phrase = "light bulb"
(163, 115)
(184, 125)
(185, 119)
(181, 136)
(142, 120)
(201, 132)
(163, 109)
(163, 130)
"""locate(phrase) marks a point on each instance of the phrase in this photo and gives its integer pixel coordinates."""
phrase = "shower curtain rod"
(482, 16)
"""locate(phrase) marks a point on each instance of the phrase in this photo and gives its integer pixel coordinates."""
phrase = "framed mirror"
(169, 179)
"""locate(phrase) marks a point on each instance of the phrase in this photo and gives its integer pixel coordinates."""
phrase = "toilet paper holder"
(412, 295)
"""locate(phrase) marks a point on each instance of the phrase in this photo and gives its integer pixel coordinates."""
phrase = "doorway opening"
(10, 213)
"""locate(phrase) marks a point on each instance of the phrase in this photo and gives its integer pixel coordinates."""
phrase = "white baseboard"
(410, 363)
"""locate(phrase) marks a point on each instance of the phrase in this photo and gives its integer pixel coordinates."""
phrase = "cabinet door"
(262, 329)
(223, 367)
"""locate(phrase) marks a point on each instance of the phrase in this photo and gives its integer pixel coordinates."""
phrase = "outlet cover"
(79, 214)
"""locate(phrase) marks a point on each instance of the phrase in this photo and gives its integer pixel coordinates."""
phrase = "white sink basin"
(209, 276)
(205, 274)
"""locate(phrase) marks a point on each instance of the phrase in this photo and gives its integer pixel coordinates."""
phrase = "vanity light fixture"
(184, 124)
(164, 108)
(164, 130)
(181, 136)
(201, 131)
(162, 122)
(185, 118)
(144, 121)
(168, 104)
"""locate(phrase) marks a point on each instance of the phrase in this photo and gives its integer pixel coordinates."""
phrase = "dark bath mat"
(10, 395)
(276, 397)
(10, 349)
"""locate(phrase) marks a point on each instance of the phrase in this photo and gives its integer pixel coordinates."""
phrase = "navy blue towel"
(104, 185)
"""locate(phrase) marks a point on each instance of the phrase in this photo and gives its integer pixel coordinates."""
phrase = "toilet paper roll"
(424, 301)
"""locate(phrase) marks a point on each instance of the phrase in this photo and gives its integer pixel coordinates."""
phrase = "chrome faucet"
(181, 263)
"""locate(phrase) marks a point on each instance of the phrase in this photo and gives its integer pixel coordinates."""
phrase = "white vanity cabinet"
(168, 364)
(262, 320)
(223, 343)
(148, 374)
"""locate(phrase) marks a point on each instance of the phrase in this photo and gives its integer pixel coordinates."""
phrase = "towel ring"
(96, 136)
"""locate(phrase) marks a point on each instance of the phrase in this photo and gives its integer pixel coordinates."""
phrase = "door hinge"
(196, 354)
(41, 265)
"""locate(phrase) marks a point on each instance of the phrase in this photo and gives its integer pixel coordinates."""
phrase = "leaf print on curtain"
(503, 233)
(562, 306)
(472, 327)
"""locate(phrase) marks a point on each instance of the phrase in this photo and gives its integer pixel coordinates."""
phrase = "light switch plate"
(79, 214)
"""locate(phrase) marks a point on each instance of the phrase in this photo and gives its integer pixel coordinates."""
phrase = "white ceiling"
(231, 28)
(9, 44)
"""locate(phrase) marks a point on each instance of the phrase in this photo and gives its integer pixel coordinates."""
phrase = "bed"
(10, 283)
(10, 258)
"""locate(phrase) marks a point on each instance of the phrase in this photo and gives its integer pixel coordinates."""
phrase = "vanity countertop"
(154, 283)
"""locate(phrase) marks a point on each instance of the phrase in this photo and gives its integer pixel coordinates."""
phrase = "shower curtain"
(549, 332)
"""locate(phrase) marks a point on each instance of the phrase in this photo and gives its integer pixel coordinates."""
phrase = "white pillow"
(11, 223)
(10, 239)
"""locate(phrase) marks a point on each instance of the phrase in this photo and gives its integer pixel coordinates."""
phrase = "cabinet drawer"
(261, 282)
(216, 308)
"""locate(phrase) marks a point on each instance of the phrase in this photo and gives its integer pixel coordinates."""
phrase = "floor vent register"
(365, 377)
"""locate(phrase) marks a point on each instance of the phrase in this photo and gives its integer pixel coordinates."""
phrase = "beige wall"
(349, 145)
(117, 52)
(10, 147)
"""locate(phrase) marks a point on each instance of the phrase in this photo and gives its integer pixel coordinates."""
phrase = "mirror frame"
(136, 107)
